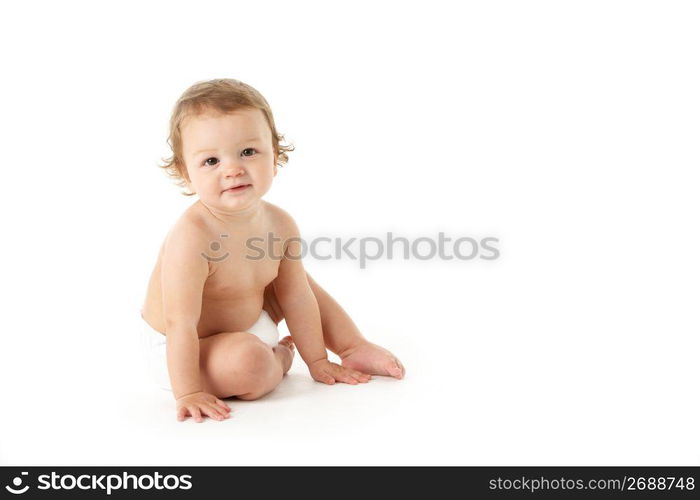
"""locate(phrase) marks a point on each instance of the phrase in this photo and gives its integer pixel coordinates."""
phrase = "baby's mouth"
(237, 189)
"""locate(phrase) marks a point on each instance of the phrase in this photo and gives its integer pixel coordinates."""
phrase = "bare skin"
(342, 337)
(219, 410)
(206, 292)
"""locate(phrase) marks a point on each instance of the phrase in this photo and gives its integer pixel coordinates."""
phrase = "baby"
(212, 306)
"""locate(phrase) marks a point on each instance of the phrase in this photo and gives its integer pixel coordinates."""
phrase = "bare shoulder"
(190, 233)
(283, 222)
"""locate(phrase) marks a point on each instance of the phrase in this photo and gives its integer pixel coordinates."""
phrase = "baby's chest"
(244, 264)
(238, 275)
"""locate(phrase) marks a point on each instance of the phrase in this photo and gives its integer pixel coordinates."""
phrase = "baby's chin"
(233, 203)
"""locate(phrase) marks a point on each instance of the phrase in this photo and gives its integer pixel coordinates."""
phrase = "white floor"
(475, 400)
(111, 419)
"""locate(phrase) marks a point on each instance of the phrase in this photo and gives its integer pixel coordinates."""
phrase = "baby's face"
(223, 151)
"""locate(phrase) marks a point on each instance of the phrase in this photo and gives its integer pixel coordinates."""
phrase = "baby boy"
(212, 308)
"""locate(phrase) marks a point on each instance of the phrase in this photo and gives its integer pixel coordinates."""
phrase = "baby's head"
(222, 134)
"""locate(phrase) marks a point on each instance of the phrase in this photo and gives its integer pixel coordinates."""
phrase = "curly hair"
(224, 95)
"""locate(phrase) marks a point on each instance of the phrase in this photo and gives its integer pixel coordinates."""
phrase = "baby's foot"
(373, 359)
(285, 353)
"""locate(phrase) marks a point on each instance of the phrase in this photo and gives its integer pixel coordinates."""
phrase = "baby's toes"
(394, 369)
(287, 342)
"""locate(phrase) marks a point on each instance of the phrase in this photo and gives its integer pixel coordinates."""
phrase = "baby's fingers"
(181, 413)
(324, 377)
(344, 375)
(359, 376)
(354, 375)
(190, 410)
(195, 412)
(362, 378)
(223, 406)
(214, 411)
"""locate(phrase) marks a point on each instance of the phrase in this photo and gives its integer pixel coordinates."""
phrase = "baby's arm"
(302, 314)
(183, 274)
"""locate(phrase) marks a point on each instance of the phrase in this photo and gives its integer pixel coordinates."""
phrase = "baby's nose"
(234, 169)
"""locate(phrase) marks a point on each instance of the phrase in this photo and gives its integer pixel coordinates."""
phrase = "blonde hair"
(224, 95)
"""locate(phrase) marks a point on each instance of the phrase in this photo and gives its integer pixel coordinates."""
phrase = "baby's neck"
(245, 217)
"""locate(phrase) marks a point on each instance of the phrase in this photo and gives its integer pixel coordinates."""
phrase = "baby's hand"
(328, 373)
(201, 402)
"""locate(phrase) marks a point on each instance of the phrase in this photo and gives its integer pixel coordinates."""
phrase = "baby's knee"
(252, 355)
(256, 367)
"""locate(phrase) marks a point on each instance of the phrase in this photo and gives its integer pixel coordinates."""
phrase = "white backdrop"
(568, 130)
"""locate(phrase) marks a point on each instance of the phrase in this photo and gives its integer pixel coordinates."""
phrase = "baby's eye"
(248, 149)
(209, 164)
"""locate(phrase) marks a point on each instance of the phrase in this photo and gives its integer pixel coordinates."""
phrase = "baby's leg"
(339, 331)
(341, 335)
(240, 364)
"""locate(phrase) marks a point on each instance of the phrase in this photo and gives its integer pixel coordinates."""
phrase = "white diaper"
(154, 345)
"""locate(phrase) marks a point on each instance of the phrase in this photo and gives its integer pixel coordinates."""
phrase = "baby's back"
(238, 270)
